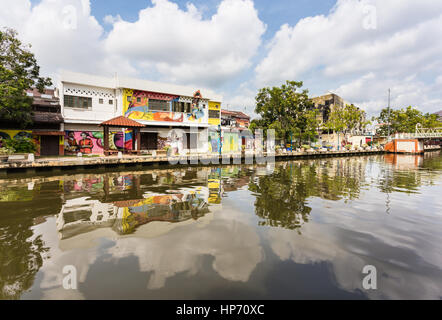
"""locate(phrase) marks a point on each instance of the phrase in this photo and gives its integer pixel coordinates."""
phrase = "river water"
(303, 229)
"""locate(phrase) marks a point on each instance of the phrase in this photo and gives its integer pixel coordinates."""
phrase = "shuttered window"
(77, 102)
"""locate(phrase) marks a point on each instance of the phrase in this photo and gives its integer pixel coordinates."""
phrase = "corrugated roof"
(122, 122)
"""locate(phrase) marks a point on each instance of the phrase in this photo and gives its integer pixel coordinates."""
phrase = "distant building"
(234, 125)
(439, 114)
(234, 119)
(47, 124)
(325, 104)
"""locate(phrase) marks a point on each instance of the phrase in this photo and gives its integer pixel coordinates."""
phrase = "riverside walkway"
(58, 164)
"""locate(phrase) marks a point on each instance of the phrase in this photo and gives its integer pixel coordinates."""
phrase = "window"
(77, 102)
(100, 101)
(129, 98)
(138, 100)
(158, 105)
(213, 113)
(178, 106)
(111, 101)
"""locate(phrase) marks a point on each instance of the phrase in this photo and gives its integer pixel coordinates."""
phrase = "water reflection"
(227, 231)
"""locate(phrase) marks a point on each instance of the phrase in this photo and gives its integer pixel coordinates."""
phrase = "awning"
(122, 122)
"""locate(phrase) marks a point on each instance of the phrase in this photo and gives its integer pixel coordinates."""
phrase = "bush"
(306, 146)
(6, 151)
(22, 145)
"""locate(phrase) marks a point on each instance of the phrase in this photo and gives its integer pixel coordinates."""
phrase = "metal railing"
(421, 133)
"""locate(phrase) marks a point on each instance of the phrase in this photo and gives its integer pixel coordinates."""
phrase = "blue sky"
(355, 48)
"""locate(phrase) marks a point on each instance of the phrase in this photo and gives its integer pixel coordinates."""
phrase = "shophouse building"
(173, 116)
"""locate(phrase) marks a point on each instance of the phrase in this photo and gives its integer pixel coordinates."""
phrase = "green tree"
(284, 109)
(346, 119)
(404, 120)
(19, 72)
(312, 125)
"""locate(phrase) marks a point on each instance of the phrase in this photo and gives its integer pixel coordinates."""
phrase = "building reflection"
(125, 202)
(82, 215)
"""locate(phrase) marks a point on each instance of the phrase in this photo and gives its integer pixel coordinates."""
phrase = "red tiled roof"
(237, 114)
(121, 122)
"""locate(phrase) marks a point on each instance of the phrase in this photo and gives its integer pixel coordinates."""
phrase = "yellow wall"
(213, 105)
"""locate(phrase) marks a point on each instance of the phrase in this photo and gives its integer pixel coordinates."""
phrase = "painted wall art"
(91, 142)
(136, 107)
(6, 134)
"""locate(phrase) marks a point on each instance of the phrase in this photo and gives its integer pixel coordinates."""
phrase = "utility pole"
(389, 114)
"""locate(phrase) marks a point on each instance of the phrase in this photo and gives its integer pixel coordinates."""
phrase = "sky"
(357, 49)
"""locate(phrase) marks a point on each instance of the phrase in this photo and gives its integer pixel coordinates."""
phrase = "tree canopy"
(346, 119)
(405, 120)
(286, 110)
(19, 72)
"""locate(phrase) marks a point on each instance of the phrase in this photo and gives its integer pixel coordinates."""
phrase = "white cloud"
(340, 54)
(110, 19)
(165, 42)
(186, 48)
(63, 35)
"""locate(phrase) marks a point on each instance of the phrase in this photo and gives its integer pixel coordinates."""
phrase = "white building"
(88, 100)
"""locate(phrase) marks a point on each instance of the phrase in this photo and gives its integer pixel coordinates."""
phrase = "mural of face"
(86, 143)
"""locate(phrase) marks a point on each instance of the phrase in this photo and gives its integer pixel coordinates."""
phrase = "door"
(192, 140)
(149, 140)
(49, 145)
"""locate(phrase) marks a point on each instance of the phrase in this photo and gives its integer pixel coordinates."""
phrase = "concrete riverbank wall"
(103, 163)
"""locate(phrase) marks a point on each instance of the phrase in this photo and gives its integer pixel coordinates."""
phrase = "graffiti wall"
(214, 142)
(197, 113)
(230, 142)
(174, 140)
(136, 107)
(91, 142)
(6, 134)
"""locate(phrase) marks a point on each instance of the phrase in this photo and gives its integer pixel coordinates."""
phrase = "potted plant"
(4, 153)
(22, 145)
(305, 147)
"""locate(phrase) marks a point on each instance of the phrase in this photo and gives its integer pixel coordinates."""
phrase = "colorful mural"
(136, 106)
(91, 142)
(128, 139)
(214, 142)
(7, 134)
(230, 142)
